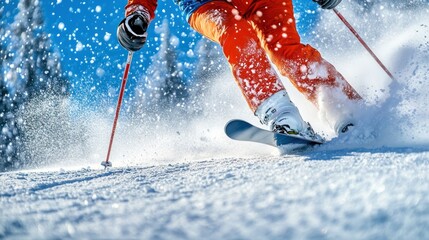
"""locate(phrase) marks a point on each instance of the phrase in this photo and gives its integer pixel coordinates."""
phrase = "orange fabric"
(150, 5)
(241, 46)
(248, 31)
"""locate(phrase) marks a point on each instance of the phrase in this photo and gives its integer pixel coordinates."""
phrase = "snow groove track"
(50, 184)
(47, 183)
(380, 194)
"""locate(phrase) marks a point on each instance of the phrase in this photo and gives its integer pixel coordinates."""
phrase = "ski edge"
(269, 139)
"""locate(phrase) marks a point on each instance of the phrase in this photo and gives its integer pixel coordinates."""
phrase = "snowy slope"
(192, 182)
(380, 194)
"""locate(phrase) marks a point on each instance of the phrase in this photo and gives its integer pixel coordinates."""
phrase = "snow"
(193, 182)
(79, 46)
(360, 194)
(61, 26)
(107, 36)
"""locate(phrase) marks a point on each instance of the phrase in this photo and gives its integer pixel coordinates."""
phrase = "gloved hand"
(327, 4)
(132, 30)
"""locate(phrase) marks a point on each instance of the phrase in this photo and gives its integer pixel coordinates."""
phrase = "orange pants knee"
(220, 22)
(250, 32)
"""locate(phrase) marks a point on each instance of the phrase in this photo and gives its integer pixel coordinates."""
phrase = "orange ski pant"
(253, 31)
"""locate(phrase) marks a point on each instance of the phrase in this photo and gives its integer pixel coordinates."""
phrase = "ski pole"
(106, 163)
(349, 26)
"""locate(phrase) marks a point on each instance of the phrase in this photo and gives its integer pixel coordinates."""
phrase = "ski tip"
(235, 126)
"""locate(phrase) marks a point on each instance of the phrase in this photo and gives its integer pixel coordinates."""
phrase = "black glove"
(132, 31)
(327, 4)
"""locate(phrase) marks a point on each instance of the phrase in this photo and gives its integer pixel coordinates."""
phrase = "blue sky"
(85, 34)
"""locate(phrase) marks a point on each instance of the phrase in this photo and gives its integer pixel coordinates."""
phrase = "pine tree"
(4, 103)
(164, 88)
(49, 62)
(36, 88)
(35, 67)
(8, 127)
(210, 63)
(211, 60)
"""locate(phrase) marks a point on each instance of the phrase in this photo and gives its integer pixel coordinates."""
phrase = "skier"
(251, 33)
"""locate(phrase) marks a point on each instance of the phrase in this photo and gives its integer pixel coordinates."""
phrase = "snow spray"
(349, 26)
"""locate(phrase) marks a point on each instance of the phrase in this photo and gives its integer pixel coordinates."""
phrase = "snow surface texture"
(323, 195)
(186, 179)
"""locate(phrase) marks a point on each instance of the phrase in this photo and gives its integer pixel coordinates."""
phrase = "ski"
(243, 131)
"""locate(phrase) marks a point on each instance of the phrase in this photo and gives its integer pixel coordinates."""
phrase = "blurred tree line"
(34, 107)
(30, 70)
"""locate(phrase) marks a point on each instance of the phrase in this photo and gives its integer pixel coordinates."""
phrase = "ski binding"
(243, 131)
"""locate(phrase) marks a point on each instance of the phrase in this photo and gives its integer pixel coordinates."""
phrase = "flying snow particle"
(174, 41)
(98, 8)
(9, 75)
(79, 46)
(236, 14)
(107, 36)
(59, 1)
(100, 72)
(190, 53)
(61, 26)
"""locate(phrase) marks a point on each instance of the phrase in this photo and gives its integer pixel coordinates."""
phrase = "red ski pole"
(363, 43)
(106, 163)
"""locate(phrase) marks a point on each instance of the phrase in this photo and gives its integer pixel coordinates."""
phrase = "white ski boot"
(282, 116)
(341, 113)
